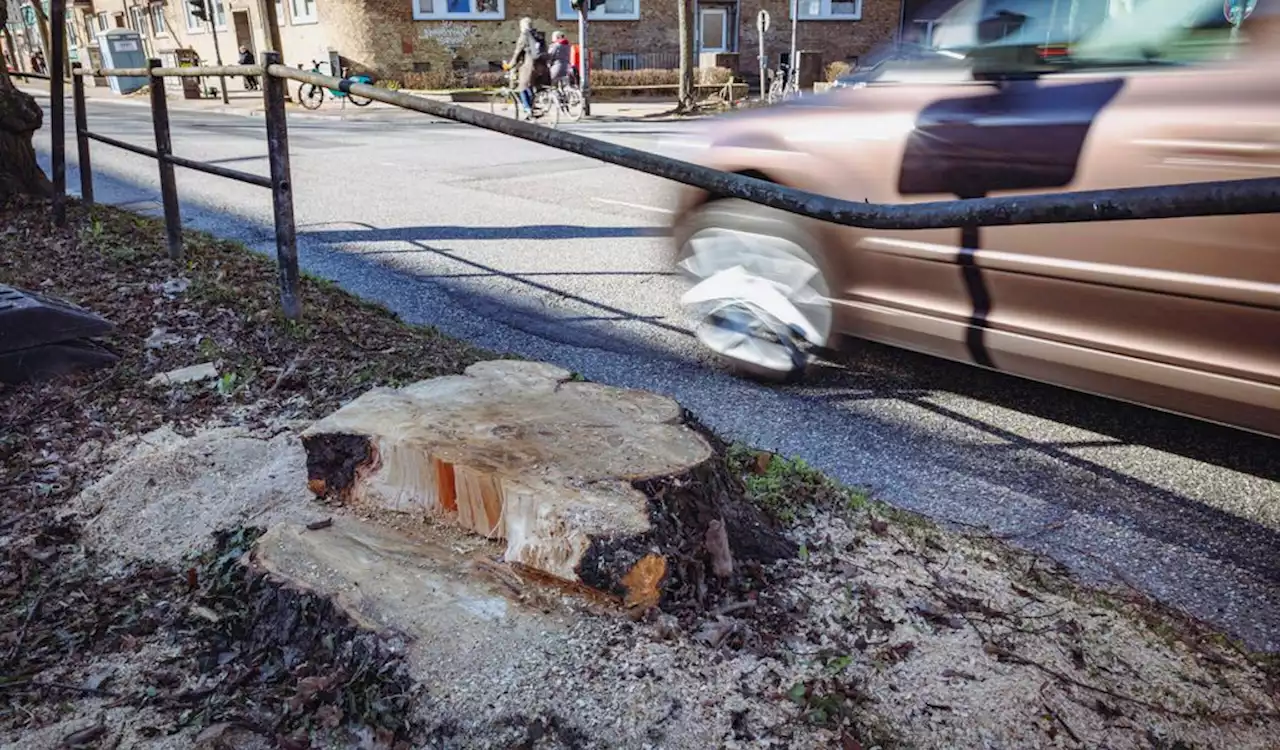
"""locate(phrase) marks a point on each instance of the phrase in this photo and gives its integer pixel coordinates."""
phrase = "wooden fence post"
(82, 130)
(164, 148)
(273, 94)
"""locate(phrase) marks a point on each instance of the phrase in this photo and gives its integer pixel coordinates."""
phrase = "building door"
(713, 25)
(244, 32)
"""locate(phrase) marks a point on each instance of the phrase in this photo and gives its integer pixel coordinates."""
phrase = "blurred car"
(900, 64)
(1053, 95)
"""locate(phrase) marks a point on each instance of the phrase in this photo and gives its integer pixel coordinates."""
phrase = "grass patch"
(791, 490)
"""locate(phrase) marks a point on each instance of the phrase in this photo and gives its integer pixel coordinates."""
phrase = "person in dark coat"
(246, 58)
(529, 63)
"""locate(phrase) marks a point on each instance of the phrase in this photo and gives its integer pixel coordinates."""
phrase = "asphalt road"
(521, 248)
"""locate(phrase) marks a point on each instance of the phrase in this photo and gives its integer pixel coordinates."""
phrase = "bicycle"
(547, 104)
(311, 95)
(570, 98)
(783, 84)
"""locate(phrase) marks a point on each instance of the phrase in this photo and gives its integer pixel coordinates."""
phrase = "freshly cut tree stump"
(590, 484)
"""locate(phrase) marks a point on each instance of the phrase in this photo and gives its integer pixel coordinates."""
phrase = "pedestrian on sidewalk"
(246, 58)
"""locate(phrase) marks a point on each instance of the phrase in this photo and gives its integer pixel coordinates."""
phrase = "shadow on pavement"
(445, 233)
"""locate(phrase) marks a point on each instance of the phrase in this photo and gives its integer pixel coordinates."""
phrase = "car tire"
(782, 232)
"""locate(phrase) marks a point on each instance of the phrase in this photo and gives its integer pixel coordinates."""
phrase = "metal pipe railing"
(178, 161)
(195, 71)
(1159, 202)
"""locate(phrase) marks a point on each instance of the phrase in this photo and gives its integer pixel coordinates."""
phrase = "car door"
(1179, 313)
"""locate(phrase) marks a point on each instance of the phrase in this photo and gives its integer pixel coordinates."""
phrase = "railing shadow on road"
(446, 233)
(910, 375)
(371, 233)
(1049, 471)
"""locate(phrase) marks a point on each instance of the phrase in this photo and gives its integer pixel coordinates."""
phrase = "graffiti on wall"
(449, 34)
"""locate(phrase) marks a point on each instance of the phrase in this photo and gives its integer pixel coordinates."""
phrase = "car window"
(1071, 34)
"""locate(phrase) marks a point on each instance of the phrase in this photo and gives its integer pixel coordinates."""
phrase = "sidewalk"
(249, 104)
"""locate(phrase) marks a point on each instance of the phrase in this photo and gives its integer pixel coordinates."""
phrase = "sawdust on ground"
(884, 630)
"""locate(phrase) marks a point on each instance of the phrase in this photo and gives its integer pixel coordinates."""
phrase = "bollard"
(82, 134)
(168, 185)
(273, 95)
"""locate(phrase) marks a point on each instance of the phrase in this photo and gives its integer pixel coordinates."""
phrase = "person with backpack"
(530, 63)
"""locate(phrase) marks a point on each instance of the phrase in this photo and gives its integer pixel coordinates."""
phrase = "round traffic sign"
(762, 20)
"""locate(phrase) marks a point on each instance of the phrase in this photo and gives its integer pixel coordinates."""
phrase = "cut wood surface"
(589, 483)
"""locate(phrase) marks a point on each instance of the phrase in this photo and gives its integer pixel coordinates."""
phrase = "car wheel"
(760, 298)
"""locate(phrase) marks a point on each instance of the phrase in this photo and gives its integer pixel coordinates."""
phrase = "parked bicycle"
(311, 95)
(784, 84)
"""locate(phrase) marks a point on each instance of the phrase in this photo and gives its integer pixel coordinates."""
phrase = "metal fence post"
(168, 185)
(82, 138)
(273, 94)
(58, 109)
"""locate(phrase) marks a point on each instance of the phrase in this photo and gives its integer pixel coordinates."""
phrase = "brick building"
(393, 37)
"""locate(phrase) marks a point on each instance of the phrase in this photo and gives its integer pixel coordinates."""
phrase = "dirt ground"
(128, 618)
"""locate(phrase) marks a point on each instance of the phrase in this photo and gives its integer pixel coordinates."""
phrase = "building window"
(157, 20)
(459, 9)
(612, 10)
(73, 40)
(139, 18)
(194, 25)
(830, 10)
(104, 21)
(302, 11)
(220, 14)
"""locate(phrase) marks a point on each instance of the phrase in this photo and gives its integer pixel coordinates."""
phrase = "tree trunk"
(686, 101)
(597, 487)
(20, 117)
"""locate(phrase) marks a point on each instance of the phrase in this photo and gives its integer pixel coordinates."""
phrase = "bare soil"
(127, 618)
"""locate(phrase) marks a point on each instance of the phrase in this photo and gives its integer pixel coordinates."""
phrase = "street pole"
(583, 58)
(762, 25)
(793, 73)
(217, 53)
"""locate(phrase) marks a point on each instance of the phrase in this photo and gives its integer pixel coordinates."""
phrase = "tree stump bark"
(20, 117)
(593, 485)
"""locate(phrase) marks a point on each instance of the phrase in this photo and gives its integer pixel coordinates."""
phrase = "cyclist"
(560, 57)
(530, 57)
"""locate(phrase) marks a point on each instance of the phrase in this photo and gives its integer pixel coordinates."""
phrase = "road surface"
(518, 247)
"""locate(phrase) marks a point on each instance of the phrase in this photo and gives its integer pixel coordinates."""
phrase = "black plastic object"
(42, 337)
